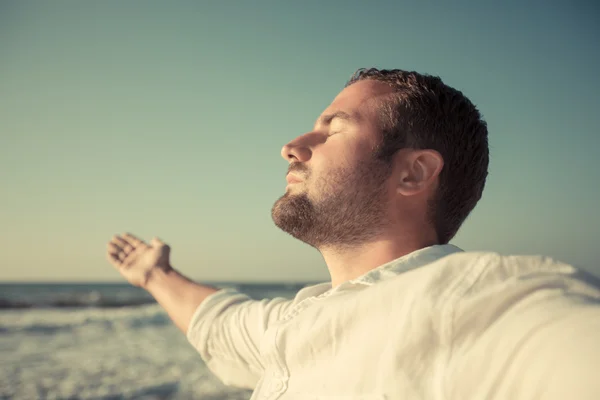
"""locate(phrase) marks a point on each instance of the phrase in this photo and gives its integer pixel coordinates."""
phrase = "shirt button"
(278, 385)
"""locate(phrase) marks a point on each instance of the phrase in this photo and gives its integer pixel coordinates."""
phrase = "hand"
(136, 260)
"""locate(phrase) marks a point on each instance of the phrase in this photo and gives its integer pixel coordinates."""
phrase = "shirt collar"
(403, 264)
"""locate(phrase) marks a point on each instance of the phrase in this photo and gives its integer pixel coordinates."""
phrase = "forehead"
(360, 98)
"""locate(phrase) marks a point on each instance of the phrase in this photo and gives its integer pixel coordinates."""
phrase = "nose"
(296, 151)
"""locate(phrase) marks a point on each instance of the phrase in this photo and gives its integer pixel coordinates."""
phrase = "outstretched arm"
(226, 329)
(147, 266)
(178, 295)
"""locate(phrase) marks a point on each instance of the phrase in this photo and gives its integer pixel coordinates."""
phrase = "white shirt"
(438, 323)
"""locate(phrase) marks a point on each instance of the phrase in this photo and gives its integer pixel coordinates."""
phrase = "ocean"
(103, 341)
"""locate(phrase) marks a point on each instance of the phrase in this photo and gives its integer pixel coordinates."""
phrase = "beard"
(350, 210)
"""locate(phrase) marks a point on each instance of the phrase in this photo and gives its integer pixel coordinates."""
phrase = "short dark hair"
(425, 113)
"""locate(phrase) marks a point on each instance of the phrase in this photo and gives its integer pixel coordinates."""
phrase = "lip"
(292, 179)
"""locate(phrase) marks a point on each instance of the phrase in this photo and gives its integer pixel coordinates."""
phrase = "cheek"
(334, 163)
(330, 179)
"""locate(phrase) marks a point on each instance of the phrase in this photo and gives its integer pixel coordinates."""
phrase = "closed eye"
(336, 127)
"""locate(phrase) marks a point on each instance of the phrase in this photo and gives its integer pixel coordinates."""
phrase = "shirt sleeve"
(227, 329)
(531, 336)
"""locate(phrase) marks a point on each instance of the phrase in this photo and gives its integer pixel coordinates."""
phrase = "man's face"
(342, 198)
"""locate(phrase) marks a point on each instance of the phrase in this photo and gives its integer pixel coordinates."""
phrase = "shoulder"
(311, 291)
(527, 290)
(487, 271)
(481, 286)
(512, 315)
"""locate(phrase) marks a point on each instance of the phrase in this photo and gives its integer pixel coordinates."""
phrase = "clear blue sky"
(167, 118)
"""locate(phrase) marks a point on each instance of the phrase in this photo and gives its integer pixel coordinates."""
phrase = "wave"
(33, 296)
(54, 321)
(76, 300)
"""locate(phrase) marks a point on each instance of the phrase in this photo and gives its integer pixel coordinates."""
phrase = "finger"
(122, 245)
(133, 240)
(118, 241)
(112, 247)
(116, 252)
(113, 252)
(129, 259)
(113, 258)
(122, 256)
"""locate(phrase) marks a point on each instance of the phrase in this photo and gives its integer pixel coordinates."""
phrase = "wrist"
(155, 276)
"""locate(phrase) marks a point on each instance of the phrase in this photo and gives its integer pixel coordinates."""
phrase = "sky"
(167, 119)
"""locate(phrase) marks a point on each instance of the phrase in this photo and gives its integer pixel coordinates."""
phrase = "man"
(381, 184)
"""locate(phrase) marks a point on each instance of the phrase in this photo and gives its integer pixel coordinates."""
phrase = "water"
(103, 341)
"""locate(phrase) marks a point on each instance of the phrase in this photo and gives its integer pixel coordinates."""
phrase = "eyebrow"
(326, 119)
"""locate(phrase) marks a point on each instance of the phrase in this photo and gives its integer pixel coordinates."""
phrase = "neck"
(345, 264)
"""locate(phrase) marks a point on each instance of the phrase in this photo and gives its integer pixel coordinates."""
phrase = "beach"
(87, 342)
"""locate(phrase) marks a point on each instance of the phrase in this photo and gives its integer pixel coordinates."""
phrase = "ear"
(417, 170)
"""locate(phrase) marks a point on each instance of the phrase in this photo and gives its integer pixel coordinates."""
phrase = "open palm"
(135, 259)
